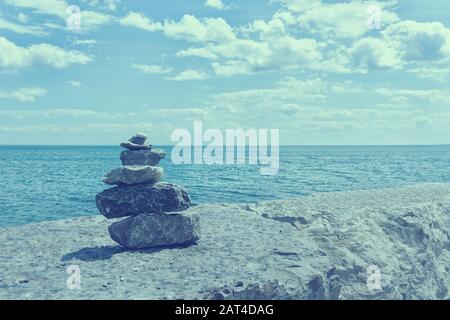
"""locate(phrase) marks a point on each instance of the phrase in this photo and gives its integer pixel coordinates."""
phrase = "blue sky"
(323, 72)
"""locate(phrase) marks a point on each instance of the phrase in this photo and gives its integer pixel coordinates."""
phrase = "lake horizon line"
(281, 145)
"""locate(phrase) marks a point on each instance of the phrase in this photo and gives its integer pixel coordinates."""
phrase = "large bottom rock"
(125, 201)
(151, 230)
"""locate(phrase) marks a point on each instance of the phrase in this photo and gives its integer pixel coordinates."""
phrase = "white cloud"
(138, 20)
(275, 48)
(263, 46)
(50, 7)
(91, 19)
(308, 109)
(419, 41)
(266, 30)
(437, 72)
(245, 56)
(231, 68)
(413, 97)
(191, 29)
(300, 5)
(58, 8)
(396, 45)
(369, 53)
(13, 56)
(22, 17)
(338, 20)
(88, 42)
(21, 29)
(151, 69)
(287, 91)
(402, 44)
(197, 52)
(188, 74)
(110, 5)
(216, 4)
(24, 94)
(74, 83)
(300, 106)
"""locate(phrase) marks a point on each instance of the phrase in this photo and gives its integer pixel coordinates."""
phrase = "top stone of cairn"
(137, 142)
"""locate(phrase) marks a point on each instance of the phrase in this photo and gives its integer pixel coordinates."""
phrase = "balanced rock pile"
(152, 207)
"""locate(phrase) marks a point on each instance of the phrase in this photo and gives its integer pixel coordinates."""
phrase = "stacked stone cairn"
(153, 208)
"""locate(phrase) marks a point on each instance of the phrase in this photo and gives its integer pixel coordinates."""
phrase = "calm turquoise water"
(47, 183)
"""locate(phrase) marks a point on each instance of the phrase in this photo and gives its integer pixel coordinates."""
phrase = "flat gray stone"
(129, 175)
(137, 140)
(151, 230)
(122, 201)
(133, 146)
(142, 157)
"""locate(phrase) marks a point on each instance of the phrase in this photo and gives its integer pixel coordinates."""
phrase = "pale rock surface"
(314, 247)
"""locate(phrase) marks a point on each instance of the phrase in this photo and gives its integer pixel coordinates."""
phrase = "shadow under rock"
(106, 252)
(93, 254)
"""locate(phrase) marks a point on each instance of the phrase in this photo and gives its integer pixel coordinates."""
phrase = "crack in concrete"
(284, 219)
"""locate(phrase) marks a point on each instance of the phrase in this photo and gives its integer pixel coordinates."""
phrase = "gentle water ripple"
(46, 183)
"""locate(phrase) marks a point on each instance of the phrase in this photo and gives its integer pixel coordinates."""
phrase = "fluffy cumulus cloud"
(138, 20)
(24, 94)
(258, 46)
(342, 20)
(244, 56)
(216, 4)
(263, 46)
(189, 28)
(13, 56)
(419, 41)
(401, 44)
(369, 53)
(353, 41)
(192, 29)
